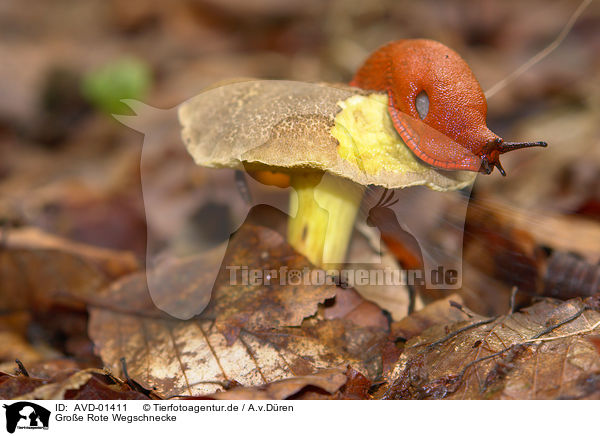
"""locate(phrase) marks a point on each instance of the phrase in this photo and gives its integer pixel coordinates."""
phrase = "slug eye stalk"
(510, 146)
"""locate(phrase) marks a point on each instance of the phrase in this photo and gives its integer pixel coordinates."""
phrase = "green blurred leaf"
(122, 79)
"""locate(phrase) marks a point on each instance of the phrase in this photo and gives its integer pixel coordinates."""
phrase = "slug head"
(490, 157)
(433, 84)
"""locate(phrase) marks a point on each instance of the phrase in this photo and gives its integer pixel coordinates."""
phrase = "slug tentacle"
(510, 146)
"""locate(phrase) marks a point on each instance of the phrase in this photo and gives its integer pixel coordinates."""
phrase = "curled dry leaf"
(542, 352)
(12, 386)
(56, 390)
(328, 380)
(87, 384)
(39, 269)
(439, 312)
(350, 305)
(356, 387)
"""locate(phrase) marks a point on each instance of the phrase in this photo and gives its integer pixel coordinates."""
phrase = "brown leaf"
(110, 220)
(184, 286)
(13, 331)
(47, 369)
(554, 230)
(506, 247)
(181, 286)
(40, 375)
(438, 312)
(350, 305)
(251, 335)
(87, 384)
(270, 302)
(40, 269)
(13, 386)
(56, 390)
(16, 346)
(502, 358)
(499, 249)
(356, 388)
(328, 380)
(193, 357)
(101, 387)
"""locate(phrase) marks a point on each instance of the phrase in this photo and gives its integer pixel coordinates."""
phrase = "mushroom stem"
(323, 210)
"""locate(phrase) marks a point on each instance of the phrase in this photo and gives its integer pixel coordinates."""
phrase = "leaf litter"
(249, 335)
(542, 352)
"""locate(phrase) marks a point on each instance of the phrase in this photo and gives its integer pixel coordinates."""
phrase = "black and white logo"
(26, 415)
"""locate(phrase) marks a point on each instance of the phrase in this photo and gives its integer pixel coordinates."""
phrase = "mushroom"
(331, 140)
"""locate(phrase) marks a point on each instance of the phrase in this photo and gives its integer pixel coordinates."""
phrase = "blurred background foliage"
(67, 167)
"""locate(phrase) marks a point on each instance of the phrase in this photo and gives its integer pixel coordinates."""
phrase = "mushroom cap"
(297, 126)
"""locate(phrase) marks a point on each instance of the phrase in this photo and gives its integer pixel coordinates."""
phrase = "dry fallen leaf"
(506, 247)
(56, 390)
(97, 388)
(270, 340)
(351, 306)
(560, 232)
(186, 286)
(272, 302)
(13, 337)
(87, 384)
(12, 386)
(193, 357)
(39, 269)
(328, 380)
(356, 387)
(438, 312)
(504, 358)
(45, 370)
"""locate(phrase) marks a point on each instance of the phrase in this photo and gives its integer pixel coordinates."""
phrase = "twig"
(124, 368)
(554, 327)
(460, 330)
(22, 369)
(481, 359)
(460, 307)
(412, 296)
(227, 385)
(566, 335)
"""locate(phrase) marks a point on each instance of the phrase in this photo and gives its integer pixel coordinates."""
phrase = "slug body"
(436, 105)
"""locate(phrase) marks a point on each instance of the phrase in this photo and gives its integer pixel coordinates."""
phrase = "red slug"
(436, 105)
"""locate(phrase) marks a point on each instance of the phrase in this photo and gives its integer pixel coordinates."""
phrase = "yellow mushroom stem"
(322, 213)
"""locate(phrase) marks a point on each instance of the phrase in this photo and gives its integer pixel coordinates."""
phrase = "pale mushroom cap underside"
(290, 126)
